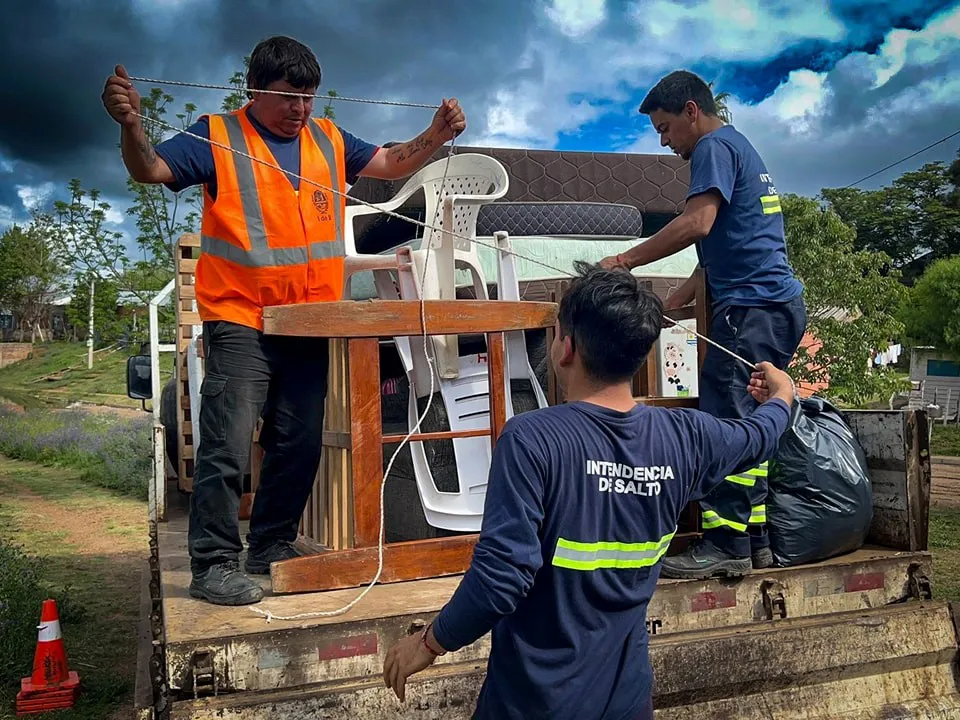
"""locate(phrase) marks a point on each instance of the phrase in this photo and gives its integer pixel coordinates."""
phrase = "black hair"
(283, 58)
(613, 321)
(673, 92)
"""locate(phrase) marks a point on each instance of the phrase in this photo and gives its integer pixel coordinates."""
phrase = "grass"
(104, 449)
(944, 543)
(945, 440)
(57, 375)
(86, 547)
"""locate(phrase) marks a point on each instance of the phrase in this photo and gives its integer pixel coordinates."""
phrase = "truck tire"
(168, 418)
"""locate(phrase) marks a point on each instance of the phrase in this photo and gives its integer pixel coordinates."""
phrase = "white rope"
(235, 88)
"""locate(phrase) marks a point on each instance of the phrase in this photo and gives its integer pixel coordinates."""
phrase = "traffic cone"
(52, 686)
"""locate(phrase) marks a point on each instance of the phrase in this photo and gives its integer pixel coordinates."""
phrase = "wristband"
(426, 645)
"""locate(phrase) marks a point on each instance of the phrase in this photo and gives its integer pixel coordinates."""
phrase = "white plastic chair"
(472, 179)
(466, 399)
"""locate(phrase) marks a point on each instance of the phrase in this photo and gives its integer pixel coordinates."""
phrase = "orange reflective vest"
(262, 242)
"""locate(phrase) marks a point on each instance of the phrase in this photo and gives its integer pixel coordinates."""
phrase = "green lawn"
(945, 545)
(945, 440)
(57, 375)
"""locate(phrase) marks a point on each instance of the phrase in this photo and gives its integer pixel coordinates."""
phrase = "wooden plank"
(188, 292)
(188, 318)
(414, 560)
(689, 312)
(191, 240)
(894, 445)
(668, 402)
(497, 385)
(439, 435)
(186, 266)
(365, 430)
(386, 318)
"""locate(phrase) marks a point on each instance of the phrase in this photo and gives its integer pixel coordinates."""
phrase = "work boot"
(704, 560)
(761, 557)
(258, 562)
(224, 584)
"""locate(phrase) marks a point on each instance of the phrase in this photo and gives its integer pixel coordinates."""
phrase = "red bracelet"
(423, 639)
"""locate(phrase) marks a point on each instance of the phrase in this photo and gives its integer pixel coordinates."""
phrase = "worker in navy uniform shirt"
(733, 216)
(582, 502)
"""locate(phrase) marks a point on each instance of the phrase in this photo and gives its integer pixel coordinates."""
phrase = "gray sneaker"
(258, 563)
(704, 560)
(224, 584)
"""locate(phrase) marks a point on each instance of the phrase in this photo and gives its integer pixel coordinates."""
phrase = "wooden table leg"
(497, 383)
(366, 431)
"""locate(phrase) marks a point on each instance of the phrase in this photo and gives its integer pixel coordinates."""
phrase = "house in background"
(937, 374)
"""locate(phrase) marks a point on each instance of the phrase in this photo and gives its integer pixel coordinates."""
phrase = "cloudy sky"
(828, 91)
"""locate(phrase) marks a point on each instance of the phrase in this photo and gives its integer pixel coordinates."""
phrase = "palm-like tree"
(720, 98)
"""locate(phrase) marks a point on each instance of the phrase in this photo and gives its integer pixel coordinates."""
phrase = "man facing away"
(266, 239)
(582, 501)
(732, 214)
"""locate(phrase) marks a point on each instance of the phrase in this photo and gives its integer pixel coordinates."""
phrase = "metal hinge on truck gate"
(774, 604)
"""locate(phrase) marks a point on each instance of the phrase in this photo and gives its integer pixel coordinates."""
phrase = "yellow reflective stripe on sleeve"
(712, 520)
(758, 515)
(770, 204)
(595, 556)
(748, 477)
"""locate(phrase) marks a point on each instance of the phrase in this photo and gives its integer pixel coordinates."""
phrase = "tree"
(918, 212)
(108, 326)
(238, 98)
(162, 216)
(931, 314)
(851, 298)
(723, 110)
(31, 273)
(82, 236)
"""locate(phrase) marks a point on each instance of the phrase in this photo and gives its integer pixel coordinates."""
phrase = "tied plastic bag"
(820, 500)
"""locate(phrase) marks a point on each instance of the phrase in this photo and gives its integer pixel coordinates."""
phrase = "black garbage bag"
(820, 500)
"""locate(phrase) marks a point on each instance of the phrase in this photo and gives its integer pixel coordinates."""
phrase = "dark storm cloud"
(60, 53)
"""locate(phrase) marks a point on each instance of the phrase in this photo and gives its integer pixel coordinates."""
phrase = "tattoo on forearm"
(147, 152)
(408, 150)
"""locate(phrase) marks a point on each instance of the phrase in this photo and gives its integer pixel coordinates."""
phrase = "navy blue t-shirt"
(581, 504)
(191, 160)
(745, 255)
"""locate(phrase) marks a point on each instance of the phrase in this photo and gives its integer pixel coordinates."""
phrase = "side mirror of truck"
(139, 377)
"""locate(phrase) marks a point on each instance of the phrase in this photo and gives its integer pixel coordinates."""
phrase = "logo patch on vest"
(322, 204)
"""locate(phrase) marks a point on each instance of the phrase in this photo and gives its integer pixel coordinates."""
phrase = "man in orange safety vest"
(267, 238)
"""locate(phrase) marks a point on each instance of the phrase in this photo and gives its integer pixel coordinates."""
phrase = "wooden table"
(361, 324)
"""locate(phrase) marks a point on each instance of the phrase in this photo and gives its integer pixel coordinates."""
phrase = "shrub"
(108, 450)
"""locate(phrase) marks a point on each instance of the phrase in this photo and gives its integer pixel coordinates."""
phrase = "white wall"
(936, 387)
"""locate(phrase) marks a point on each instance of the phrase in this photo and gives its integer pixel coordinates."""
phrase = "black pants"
(249, 375)
(734, 514)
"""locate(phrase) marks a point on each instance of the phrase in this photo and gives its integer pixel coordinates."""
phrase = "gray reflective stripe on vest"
(260, 254)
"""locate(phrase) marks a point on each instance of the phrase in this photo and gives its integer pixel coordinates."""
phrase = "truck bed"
(856, 636)
(250, 653)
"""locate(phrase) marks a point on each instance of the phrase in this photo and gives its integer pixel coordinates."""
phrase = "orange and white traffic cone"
(52, 686)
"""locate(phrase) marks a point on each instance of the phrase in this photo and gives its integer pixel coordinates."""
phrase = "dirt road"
(945, 488)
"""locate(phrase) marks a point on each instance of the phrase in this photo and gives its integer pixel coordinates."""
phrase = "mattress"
(558, 252)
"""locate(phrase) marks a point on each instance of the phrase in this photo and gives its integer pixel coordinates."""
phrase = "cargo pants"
(734, 515)
(248, 375)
